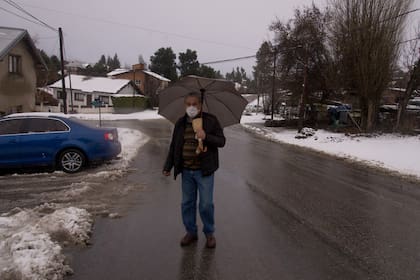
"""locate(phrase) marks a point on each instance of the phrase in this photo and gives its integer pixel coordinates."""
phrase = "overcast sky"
(217, 29)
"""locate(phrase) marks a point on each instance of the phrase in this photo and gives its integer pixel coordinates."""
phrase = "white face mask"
(192, 111)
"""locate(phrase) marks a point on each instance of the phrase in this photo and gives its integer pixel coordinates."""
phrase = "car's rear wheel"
(71, 161)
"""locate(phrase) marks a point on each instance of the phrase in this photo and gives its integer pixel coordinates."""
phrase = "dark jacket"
(214, 139)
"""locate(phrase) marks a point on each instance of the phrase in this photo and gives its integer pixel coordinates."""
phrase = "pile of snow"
(305, 133)
(390, 151)
(29, 241)
(131, 141)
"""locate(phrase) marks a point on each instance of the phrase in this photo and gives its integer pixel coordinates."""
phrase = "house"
(76, 66)
(392, 96)
(82, 90)
(45, 101)
(19, 62)
(148, 82)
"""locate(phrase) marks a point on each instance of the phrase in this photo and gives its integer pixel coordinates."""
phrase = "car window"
(34, 125)
(10, 127)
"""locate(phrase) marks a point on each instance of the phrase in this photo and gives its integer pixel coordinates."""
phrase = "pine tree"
(102, 60)
(188, 63)
(115, 62)
(109, 62)
(163, 62)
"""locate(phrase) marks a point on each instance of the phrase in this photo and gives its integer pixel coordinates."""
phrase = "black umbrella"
(220, 98)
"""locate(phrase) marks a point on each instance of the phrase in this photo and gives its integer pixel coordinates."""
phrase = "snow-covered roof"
(47, 90)
(118, 72)
(155, 75)
(147, 72)
(129, 95)
(93, 84)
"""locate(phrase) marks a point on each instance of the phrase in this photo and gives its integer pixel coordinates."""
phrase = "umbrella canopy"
(220, 98)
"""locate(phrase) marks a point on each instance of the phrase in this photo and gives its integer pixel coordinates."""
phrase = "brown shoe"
(188, 239)
(211, 241)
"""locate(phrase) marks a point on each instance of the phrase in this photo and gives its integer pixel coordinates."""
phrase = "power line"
(20, 16)
(230, 59)
(167, 33)
(20, 8)
(271, 53)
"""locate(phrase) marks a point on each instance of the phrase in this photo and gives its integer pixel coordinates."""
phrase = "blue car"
(54, 141)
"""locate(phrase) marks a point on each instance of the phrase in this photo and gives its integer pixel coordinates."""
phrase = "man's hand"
(201, 134)
(166, 173)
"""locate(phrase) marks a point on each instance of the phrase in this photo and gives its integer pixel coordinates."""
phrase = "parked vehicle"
(53, 141)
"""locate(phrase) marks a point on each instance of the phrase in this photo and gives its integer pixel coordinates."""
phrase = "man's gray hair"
(193, 94)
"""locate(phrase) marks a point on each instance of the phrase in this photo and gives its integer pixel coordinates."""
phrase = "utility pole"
(274, 82)
(134, 86)
(63, 83)
(304, 96)
(71, 94)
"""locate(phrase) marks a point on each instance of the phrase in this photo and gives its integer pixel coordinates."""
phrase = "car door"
(10, 130)
(41, 140)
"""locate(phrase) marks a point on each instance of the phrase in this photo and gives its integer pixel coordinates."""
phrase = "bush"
(126, 104)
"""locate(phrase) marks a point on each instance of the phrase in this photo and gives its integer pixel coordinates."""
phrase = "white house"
(82, 90)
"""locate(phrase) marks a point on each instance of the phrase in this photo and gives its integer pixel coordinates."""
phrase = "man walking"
(197, 169)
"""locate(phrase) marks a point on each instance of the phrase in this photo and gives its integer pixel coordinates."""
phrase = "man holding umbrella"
(200, 108)
(197, 168)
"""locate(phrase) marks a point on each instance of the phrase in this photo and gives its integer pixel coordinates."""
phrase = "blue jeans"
(192, 183)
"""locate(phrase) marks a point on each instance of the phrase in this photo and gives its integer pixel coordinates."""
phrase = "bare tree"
(411, 63)
(365, 37)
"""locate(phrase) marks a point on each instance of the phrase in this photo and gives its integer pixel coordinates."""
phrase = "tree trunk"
(372, 111)
(369, 113)
(363, 113)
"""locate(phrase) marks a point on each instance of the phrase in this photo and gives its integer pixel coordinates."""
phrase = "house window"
(79, 96)
(137, 82)
(104, 99)
(15, 64)
(60, 94)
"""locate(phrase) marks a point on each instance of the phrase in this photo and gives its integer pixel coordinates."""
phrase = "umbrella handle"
(200, 147)
(202, 90)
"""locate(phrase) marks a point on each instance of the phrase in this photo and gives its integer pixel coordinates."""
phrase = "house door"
(89, 100)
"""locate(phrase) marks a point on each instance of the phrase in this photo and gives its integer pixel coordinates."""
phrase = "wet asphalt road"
(281, 213)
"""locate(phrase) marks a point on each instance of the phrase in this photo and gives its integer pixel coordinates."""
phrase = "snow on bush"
(29, 247)
(305, 133)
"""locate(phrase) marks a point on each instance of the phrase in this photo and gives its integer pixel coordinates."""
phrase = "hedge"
(126, 103)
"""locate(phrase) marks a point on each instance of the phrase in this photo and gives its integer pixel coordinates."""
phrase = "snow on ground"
(253, 118)
(29, 241)
(390, 151)
(143, 115)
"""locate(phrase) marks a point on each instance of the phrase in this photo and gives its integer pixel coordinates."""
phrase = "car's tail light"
(109, 136)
